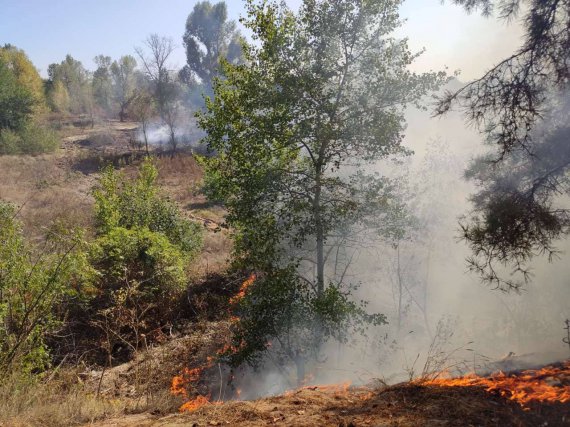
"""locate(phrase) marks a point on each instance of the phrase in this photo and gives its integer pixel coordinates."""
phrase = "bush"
(32, 286)
(31, 139)
(123, 257)
(141, 253)
(141, 276)
(136, 204)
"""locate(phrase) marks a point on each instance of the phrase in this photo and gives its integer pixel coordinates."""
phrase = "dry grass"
(45, 191)
(79, 395)
(57, 187)
(405, 405)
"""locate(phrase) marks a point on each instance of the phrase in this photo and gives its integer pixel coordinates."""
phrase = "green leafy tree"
(25, 72)
(74, 78)
(209, 37)
(58, 97)
(320, 96)
(142, 108)
(16, 101)
(124, 82)
(102, 83)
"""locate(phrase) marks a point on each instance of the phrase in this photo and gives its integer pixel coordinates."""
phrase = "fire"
(195, 404)
(243, 289)
(180, 383)
(550, 384)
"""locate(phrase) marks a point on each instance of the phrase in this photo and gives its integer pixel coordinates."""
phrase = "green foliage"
(321, 96)
(102, 83)
(281, 312)
(137, 204)
(32, 287)
(26, 74)
(209, 38)
(30, 139)
(75, 79)
(124, 83)
(16, 101)
(138, 257)
(58, 97)
(141, 253)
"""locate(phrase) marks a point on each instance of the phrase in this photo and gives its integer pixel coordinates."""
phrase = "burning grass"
(403, 405)
(550, 384)
(185, 384)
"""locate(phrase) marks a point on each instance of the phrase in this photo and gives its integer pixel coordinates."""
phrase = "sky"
(48, 30)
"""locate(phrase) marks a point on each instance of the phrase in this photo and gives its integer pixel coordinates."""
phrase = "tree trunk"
(320, 235)
(300, 364)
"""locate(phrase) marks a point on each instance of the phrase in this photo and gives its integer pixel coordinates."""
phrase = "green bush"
(141, 253)
(136, 204)
(140, 256)
(31, 139)
(32, 286)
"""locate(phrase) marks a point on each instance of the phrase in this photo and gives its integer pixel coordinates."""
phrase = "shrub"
(32, 285)
(31, 139)
(141, 253)
(140, 256)
(136, 204)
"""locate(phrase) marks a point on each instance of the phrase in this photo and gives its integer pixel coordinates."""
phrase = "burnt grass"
(403, 405)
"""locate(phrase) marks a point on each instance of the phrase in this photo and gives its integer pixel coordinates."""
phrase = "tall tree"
(16, 101)
(26, 74)
(515, 219)
(124, 82)
(74, 78)
(102, 82)
(156, 67)
(209, 37)
(320, 95)
(142, 109)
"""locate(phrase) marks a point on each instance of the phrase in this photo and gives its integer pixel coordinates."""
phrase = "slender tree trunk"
(320, 235)
(399, 288)
(300, 364)
(145, 138)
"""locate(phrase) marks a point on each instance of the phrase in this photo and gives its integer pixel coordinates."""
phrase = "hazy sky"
(48, 30)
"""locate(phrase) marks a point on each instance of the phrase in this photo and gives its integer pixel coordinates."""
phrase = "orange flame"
(180, 383)
(543, 385)
(243, 289)
(194, 404)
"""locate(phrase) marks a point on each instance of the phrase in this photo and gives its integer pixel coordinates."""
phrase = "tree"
(124, 82)
(209, 37)
(513, 104)
(33, 284)
(16, 101)
(320, 96)
(58, 98)
(102, 83)
(142, 109)
(74, 78)
(155, 66)
(26, 74)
